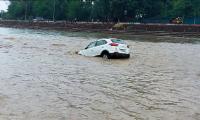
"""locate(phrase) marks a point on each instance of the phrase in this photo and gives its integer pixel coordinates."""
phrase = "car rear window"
(118, 41)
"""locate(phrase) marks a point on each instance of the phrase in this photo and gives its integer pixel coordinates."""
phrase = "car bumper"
(119, 55)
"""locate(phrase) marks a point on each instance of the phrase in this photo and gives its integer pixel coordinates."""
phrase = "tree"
(16, 9)
(102, 10)
(73, 9)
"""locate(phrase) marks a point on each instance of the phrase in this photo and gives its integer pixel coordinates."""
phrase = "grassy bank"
(126, 29)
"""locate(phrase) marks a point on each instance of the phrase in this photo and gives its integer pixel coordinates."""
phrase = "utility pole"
(54, 9)
(92, 11)
(195, 18)
(1, 12)
(26, 5)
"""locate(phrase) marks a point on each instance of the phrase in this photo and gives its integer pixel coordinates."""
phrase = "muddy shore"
(188, 31)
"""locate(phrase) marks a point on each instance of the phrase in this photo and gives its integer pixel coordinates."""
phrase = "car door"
(99, 47)
(89, 50)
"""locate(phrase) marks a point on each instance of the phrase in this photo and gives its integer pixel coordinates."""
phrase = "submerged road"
(41, 78)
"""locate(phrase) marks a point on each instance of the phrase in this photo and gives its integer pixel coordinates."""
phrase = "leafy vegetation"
(102, 10)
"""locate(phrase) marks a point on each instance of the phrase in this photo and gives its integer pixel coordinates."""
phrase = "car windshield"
(118, 41)
(92, 44)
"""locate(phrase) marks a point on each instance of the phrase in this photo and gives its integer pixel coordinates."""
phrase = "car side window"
(92, 44)
(101, 42)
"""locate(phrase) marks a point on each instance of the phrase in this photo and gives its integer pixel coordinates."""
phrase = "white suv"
(107, 48)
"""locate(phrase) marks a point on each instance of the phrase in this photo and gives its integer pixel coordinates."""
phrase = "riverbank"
(107, 28)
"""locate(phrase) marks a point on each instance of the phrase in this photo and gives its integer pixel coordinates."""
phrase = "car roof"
(107, 39)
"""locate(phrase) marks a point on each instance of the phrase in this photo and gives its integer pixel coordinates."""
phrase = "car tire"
(106, 55)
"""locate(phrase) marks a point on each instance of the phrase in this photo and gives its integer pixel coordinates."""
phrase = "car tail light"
(114, 44)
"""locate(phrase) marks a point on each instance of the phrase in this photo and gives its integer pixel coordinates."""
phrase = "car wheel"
(106, 56)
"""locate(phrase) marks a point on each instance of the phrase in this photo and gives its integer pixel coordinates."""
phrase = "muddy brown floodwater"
(41, 78)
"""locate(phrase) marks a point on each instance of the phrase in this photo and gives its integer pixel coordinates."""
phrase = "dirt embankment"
(126, 29)
(71, 26)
